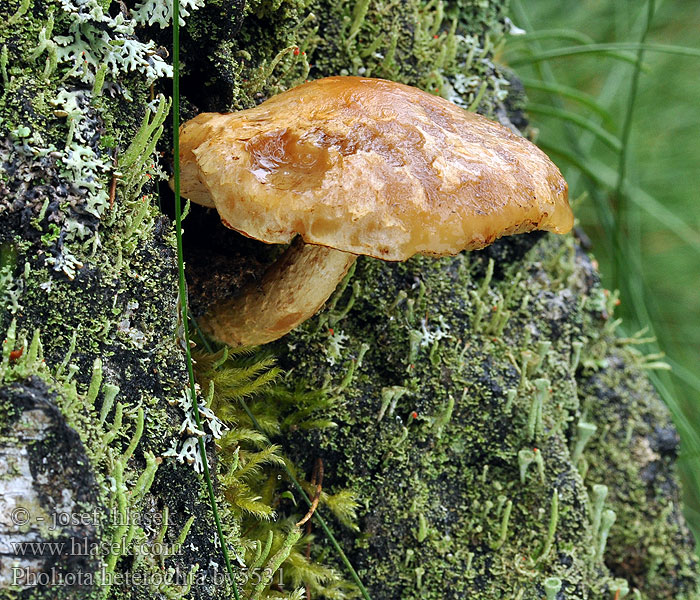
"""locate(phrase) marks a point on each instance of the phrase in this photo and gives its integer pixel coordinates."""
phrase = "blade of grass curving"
(183, 290)
(561, 34)
(685, 375)
(611, 49)
(565, 91)
(553, 34)
(567, 51)
(560, 113)
(621, 207)
(605, 176)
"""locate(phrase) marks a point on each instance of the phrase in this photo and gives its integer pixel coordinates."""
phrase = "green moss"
(433, 393)
(435, 46)
(636, 443)
(116, 299)
(256, 487)
(443, 505)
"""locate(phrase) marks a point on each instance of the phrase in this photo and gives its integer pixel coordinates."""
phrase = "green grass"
(182, 288)
(614, 94)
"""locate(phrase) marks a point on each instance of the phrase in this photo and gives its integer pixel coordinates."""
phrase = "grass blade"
(183, 290)
(621, 208)
(565, 91)
(604, 136)
(607, 49)
(605, 176)
(553, 34)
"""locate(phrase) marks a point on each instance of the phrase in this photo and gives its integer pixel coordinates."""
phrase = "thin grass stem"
(611, 49)
(183, 291)
(605, 176)
(565, 91)
(560, 113)
(621, 208)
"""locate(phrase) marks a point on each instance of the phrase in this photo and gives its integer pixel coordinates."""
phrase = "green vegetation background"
(656, 264)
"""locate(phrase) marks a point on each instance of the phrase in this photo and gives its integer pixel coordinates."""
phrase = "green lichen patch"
(447, 406)
(636, 443)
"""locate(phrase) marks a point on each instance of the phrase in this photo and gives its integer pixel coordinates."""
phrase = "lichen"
(154, 11)
(88, 257)
(447, 511)
(427, 414)
(95, 38)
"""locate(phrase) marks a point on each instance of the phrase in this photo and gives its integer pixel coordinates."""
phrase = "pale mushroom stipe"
(350, 166)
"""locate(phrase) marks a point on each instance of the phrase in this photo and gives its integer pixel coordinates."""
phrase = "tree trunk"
(497, 439)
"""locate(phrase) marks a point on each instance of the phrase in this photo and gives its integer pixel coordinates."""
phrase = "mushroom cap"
(373, 167)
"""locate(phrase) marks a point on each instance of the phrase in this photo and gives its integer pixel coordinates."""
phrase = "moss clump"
(444, 48)
(254, 474)
(448, 396)
(637, 444)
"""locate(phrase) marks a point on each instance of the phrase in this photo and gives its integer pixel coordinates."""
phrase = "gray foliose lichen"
(502, 441)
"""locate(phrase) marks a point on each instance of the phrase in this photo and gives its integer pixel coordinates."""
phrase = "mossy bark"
(459, 471)
(457, 428)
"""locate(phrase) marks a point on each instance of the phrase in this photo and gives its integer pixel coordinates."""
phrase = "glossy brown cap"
(371, 167)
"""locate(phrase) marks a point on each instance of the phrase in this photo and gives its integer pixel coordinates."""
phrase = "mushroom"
(350, 166)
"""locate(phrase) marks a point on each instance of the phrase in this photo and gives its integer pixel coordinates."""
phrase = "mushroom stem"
(292, 290)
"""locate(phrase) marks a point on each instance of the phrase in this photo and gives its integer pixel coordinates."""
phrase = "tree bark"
(461, 389)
